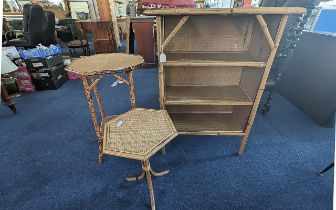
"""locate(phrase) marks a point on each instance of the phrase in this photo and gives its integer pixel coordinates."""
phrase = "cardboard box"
(49, 78)
(40, 63)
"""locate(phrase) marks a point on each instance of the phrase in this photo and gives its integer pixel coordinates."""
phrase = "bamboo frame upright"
(212, 79)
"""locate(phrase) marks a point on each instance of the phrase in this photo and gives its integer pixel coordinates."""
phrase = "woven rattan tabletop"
(138, 134)
(104, 63)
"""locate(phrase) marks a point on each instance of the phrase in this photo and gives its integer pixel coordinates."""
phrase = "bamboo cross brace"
(94, 83)
(174, 31)
(270, 60)
(115, 75)
(265, 30)
(98, 99)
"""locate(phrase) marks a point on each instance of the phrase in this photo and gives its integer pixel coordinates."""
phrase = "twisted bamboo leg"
(131, 87)
(94, 118)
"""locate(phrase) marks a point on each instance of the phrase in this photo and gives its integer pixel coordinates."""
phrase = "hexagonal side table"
(139, 134)
(93, 68)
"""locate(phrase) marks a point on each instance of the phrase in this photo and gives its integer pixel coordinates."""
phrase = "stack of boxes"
(47, 73)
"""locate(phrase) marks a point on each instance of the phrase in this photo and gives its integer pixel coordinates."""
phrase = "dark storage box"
(40, 63)
(49, 78)
(10, 84)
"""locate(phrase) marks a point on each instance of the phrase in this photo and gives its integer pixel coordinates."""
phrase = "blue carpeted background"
(48, 158)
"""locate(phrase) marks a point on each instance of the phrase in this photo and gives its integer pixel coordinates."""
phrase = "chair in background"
(48, 29)
(64, 30)
(79, 42)
(33, 19)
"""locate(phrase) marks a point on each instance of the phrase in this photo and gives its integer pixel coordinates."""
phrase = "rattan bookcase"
(214, 64)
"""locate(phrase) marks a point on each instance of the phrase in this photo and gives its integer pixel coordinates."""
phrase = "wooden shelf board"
(227, 11)
(199, 109)
(206, 124)
(206, 95)
(212, 59)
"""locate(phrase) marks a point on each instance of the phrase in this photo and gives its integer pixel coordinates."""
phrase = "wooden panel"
(223, 34)
(104, 10)
(144, 36)
(242, 114)
(216, 124)
(102, 31)
(259, 47)
(250, 81)
(206, 95)
(199, 109)
(200, 76)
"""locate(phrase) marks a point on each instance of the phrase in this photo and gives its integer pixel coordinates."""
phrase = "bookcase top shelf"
(228, 11)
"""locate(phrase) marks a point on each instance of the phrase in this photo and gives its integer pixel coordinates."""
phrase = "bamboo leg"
(242, 145)
(131, 87)
(136, 178)
(142, 175)
(159, 37)
(147, 170)
(98, 99)
(94, 118)
(159, 173)
(146, 167)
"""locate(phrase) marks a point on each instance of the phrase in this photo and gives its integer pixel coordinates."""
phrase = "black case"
(49, 78)
(40, 63)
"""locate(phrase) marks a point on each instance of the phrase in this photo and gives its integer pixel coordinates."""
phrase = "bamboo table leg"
(131, 87)
(142, 175)
(148, 171)
(146, 167)
(94, 119)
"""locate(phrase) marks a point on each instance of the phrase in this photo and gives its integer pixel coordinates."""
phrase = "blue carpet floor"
(48, 158)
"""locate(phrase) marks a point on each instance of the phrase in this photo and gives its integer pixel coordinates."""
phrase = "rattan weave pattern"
(139, 131)
(104, 63)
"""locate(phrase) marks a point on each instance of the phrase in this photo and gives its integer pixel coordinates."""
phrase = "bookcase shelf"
(206, 95)
(207, 123)
(212, 59)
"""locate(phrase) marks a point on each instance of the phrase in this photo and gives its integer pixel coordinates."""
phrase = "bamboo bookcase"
(216, 66)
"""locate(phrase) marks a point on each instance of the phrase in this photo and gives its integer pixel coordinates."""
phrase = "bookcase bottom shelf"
(207, 124)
